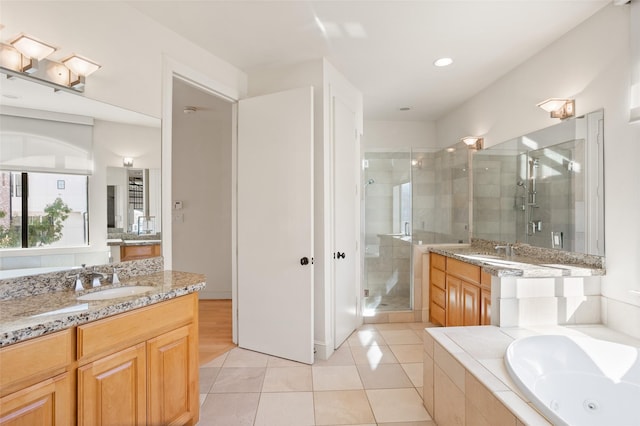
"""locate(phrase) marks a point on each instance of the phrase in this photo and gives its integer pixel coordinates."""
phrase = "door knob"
(341, 255)
(304, 261)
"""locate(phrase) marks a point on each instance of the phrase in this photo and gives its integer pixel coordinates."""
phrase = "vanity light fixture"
(473, 142)
(127, 162)
(26, 57)
(559, 108)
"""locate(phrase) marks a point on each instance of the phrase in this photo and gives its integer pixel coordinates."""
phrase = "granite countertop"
(31, 316)
(549, 263)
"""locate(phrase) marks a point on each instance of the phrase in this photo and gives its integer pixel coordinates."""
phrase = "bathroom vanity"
(129, 359)
(475, 285)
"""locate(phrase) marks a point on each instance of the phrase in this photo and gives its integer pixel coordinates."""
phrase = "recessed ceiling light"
(405, 109)
(443, 62)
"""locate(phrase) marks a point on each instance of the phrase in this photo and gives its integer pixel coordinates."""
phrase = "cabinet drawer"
(438, 278)
(463, 270)
(35, 359)
(438, 261)
(139, 252)
(438, 296)
(437, 314)
(111, 334)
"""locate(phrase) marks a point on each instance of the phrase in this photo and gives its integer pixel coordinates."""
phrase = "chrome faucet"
(78, 285)
(95, 278)
(508, 249)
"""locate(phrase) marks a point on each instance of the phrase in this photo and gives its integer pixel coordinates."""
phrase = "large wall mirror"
(544, 188)
(108, 208)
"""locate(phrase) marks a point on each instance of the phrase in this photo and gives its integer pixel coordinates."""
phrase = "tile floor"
(375, 378)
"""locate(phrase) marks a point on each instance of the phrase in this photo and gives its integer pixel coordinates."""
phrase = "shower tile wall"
(496, 197)
(441, 197)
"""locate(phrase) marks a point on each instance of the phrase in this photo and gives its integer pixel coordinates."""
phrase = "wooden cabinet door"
(454, 302)
(470, 298)
(112, 390)
(45, 403)
(172, 358)
(485, 307)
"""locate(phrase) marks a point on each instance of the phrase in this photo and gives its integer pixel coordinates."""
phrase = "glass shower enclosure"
(410, 197)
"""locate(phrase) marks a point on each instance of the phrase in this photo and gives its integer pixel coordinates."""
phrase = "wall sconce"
(26, 57)
(473, 142)
(416, 163)
(127, 162)
(559, 108)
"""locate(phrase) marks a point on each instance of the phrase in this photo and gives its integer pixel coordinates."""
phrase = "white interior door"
(275, 224)
(345, 256)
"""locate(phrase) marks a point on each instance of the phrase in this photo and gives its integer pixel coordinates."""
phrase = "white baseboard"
(322, 351)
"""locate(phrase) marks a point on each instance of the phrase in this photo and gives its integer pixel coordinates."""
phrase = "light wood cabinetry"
(141, 366)
(457, 297)
(136, 252)
(134, 368)
(35, 381)
(112, 390)
(437, 289)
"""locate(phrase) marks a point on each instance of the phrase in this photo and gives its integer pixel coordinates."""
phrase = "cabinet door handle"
(304, 261)
(340, 255)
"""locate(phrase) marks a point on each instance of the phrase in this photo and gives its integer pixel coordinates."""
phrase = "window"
(55, 206)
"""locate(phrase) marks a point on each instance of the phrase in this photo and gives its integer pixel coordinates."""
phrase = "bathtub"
(578, 381)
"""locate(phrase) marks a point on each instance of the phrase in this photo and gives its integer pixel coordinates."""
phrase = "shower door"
(387, 259)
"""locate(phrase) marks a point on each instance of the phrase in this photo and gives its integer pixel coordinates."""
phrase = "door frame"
(172, 69)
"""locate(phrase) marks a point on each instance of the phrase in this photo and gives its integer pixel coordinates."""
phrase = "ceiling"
(385, 48)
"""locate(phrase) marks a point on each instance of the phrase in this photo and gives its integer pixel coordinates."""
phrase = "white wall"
(398, 135)
(128, 45)
(202, 169)
(591, 64)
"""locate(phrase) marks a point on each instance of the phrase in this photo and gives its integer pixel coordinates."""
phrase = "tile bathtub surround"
(369, 380)
(31, 285)
(465, 378)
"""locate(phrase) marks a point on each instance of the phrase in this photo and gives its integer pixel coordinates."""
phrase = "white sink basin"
(69, 309)
(113, 293)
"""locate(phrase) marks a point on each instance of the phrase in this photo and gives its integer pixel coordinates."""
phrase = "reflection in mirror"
(114, 133)
(544, 188)
(133, 200)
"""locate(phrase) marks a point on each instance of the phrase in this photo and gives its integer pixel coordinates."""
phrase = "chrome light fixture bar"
(559, 108)
(25, 57)
(473, 142)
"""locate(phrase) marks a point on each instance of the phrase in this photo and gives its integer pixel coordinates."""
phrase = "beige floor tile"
(397, 405)
(392, 326)
(342, 408)
(408, 353)
(216, 362)
(384, 376)
(419, 326)
(238, 357)
(401, 337)
(274, 361)
(366, 338)
(424, 423)
(414, 371)
(248, 379)
(373, 355)
(287, 379)
(342, 356)
(207, 377)
(285, 409)
(203, 396)
(342, 377)
(236, 409)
